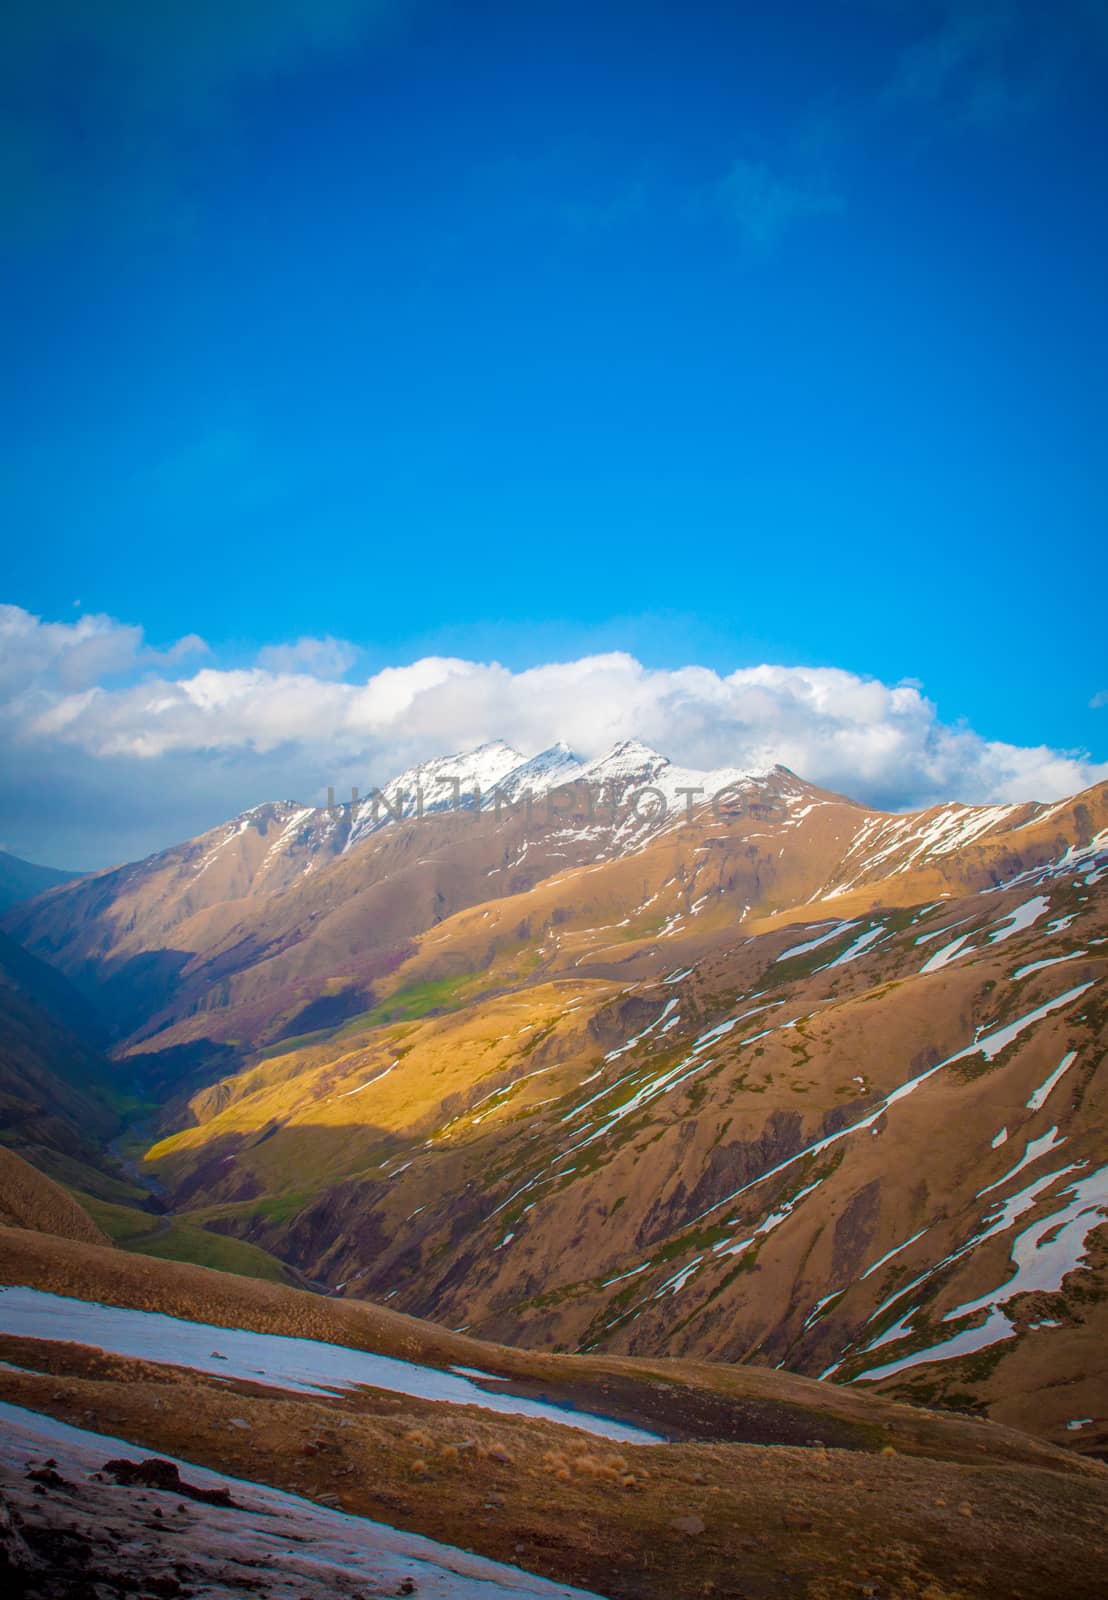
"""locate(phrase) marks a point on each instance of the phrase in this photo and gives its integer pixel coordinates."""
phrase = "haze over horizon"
(129, 749)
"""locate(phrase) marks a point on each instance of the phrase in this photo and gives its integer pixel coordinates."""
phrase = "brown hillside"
(30, 1200)
(869, 1495)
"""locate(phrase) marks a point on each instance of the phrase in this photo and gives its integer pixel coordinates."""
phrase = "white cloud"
(151, 758)
(44, 657)
(326, 658)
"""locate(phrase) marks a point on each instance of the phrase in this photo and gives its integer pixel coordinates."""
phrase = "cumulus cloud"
(160, 753)
(326, 658)
(40, 658)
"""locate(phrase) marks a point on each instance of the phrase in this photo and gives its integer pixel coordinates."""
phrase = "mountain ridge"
(22, 880)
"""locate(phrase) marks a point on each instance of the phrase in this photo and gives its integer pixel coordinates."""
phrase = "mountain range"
(780, 1079)
(579, 1163)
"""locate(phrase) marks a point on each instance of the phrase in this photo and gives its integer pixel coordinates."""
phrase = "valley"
(764, 1141)
(801, 1085)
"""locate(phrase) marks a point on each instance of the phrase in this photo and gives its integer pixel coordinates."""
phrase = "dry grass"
(677, 1398)
(29, 1199)
(642, 1523)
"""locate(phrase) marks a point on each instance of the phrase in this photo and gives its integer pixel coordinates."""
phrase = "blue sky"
(715, 333)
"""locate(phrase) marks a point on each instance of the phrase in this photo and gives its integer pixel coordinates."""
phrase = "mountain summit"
(495, 773)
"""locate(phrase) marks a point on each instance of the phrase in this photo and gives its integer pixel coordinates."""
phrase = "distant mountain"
(740, 1070)
(288, 908)
(22, 880)
(441, 784)
(58, 1102)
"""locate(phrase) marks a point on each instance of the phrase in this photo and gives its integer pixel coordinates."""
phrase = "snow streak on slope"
(897, 843)
(1042, 1093)
(990, 1046)
(1042, 1254)
(306, 1365)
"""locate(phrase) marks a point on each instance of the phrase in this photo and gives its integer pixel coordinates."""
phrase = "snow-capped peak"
(438, 784)
(548, 770)
(631, 765)
(495, 772)
(495, 751)
(628, 759)
(634, 750)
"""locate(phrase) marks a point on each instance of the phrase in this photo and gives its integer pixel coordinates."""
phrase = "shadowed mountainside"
(22, 880)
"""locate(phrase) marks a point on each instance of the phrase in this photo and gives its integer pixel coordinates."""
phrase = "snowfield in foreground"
(270, 1543)
(308, 1366)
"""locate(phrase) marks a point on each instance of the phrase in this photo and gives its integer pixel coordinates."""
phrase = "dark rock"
(155, 1473)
